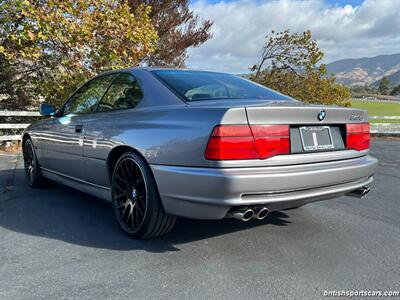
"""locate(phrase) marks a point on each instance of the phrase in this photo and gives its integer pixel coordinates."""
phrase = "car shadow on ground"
(61, 213)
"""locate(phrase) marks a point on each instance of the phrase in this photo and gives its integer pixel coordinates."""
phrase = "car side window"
(88, 96)
(123, 93)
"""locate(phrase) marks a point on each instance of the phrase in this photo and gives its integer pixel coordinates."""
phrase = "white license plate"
(316, 138)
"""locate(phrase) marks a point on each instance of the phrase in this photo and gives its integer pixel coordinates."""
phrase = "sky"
(343, 29)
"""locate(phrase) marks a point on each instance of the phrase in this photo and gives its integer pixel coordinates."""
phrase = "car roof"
(156, 69)
(157, 93)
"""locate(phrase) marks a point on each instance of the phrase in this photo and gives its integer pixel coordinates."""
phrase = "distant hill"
(394, 79)
(366, 70)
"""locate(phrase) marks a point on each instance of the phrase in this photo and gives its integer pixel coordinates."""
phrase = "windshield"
(199, 85)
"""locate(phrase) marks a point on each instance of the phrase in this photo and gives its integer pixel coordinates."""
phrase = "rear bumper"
(208, 193)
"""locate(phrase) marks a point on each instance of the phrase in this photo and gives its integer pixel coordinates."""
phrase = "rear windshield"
(199, 85)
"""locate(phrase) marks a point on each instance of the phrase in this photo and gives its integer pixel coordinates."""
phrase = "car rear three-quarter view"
(161, 143)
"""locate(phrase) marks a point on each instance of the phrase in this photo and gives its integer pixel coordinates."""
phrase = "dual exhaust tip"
(261, 212)
(360, 193)
(245, 214)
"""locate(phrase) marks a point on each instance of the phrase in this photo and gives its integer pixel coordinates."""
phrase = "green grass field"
(379, 109)
(385, 121)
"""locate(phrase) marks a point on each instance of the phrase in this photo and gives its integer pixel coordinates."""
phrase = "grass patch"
(379, 109)
(384, 121)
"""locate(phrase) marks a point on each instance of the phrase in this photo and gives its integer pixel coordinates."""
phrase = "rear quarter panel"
(171, 135)
(177, 135)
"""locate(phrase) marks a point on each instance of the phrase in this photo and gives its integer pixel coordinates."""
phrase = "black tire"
(33, 174)
(136, 201)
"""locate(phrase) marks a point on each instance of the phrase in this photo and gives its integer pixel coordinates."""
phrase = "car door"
(62, 145)
(124, 93)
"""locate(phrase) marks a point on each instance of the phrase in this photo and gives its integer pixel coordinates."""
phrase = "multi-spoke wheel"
(136, 201)
(129, 191)
(32, 170)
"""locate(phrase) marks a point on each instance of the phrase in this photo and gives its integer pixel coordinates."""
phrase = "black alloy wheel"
(33, 175)
(129, 195)
(135, 199)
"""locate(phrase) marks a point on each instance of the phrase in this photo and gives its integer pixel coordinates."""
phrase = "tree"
(395, 91)
(362, 89)
(178, 28)
(289, 64)
(384, 86)
(49, 47)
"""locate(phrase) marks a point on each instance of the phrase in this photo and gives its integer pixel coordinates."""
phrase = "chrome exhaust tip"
(261, 213)
(360, 193)
(243, 214)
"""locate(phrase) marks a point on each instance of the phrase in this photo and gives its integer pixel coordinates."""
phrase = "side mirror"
(47, 109)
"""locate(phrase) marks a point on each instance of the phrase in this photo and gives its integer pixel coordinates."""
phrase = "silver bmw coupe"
(162, 143)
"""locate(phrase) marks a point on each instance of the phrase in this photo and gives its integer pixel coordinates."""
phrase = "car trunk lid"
(298, 115)
(312, 128)
(304, 124)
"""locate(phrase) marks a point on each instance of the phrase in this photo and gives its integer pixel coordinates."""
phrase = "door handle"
(78, 128)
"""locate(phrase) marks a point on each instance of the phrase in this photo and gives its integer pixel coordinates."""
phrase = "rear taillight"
(229, 142)
(357, 136)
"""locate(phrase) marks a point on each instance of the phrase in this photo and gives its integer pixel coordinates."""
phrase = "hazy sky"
(343, 29)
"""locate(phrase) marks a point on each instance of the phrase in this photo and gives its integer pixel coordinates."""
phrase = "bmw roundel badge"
(322, 115)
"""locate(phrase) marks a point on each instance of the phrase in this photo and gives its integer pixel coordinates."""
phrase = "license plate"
(316, 138)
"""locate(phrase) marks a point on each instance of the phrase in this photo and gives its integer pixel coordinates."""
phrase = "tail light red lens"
(229, 142)
(357, 136)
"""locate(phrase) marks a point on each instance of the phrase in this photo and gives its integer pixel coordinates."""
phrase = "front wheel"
(135, 199)
(33, 175)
